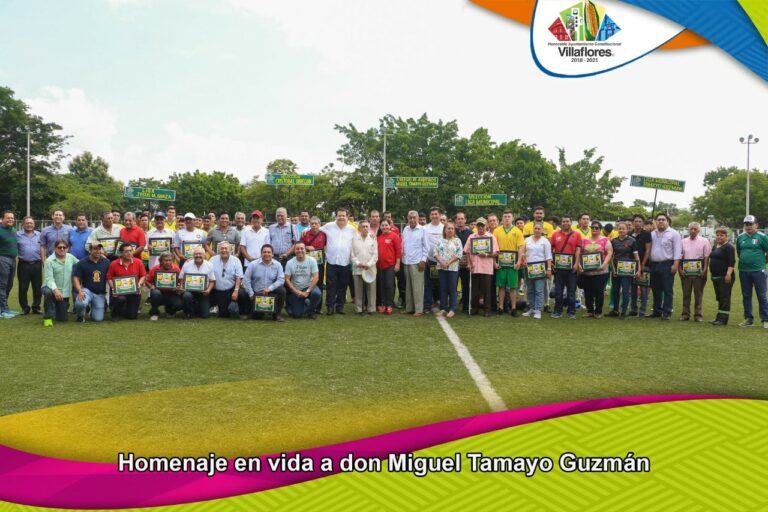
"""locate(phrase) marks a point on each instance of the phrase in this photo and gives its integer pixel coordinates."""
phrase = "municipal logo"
(585, 21)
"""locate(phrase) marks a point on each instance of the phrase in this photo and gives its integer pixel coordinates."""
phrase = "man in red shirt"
(133, 234)
(167, 297)
(314, 240)
(566, 250)
(126, 277)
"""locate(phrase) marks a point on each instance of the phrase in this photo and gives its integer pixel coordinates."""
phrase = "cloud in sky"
(314, 64)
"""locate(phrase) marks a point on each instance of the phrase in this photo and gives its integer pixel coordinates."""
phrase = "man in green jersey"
(751, 248)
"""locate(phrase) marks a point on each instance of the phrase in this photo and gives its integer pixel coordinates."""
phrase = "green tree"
(202, 192)
(727, 198)
(282, 166)
(86, 169)
(583, 186)
(47, 150)
(88, 187)
(712, 178)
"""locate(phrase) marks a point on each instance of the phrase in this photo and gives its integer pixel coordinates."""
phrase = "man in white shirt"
(434, 232)
(187, 240)
(159, 239)
(365, 254)
(197, 302)
(414, 259)
(229, 296)
(338, 249)
(253, 239)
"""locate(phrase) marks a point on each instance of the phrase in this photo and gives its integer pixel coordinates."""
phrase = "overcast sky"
(157, 87)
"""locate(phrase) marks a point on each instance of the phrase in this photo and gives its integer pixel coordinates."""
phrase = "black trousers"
(171, 301)
(125, 306)
(385, 287)
(30, 273)
(336, 290)
(279, 295)
(723, 295)
(223, 298)
(401, 283)
(320, 284)
(464, 279)
(482, 286)
(594, 292)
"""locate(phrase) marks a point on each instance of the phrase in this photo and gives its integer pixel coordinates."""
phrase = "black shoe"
(340, 312)
(666, 317)
(312, 316)
(613, 313)
(654, 315)
(329, 312)
(81, 319)
(36, 312)
(633, 312)
(623, 316)
(26, 310)
(515, 312)
(717, 322)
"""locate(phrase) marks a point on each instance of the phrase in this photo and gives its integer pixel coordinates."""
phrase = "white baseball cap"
(190, 215)
(749, 219)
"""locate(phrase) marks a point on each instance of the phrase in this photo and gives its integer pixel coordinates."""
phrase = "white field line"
(481, 381)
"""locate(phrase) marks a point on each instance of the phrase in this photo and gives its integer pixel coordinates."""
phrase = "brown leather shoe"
(418, 314)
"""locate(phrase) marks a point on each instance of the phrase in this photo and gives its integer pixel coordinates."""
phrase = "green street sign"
(480, 200)
(290, 180)
(657, 183)
(155, 194)
(412, 182)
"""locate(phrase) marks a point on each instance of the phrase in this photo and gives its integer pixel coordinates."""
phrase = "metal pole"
(653, 209)
(748, 144)
(384, 173)
(29, 173)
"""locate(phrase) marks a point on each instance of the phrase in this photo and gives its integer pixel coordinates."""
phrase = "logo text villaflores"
(583, 31)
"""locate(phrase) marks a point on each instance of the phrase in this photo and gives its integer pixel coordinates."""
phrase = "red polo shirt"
(135, 236)
(559, 244)
(118, 269)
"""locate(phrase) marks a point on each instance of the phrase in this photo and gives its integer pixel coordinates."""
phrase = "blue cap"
(162, 215)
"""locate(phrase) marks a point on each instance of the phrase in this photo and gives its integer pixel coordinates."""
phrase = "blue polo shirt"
(50, 235)
(93, 276)
(29, 246)
(77, 241)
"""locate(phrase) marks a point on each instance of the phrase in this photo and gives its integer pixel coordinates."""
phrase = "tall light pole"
(29, 133)
(384, 177)
(748, 141)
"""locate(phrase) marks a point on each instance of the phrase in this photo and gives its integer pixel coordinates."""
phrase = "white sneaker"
(153, 318)
(528, 313)
(214, 310)
(537, 315)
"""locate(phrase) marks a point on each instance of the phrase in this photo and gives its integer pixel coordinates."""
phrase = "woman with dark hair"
(722, 260)
(596, 255)
(448, 252)
(388, 265)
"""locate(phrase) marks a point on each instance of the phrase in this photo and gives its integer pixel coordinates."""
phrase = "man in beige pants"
(414, 257)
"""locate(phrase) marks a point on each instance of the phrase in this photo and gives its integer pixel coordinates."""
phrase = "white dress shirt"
(415, 245)
(338, 248)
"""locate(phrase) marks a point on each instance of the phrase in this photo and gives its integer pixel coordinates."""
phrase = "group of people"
(206, 265)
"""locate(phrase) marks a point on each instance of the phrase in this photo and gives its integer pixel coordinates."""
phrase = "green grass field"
(248, 387)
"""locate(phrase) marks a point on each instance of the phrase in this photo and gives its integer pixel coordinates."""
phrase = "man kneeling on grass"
(265, 278)
(89, 279)
(196, 280)
(162, 282)
(301, 276)
(126, 277)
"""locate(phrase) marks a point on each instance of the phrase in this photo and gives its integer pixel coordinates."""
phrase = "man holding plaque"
(626, 267)
(89, 283)
(482, 248)
(639, 287)
(188, 239)
(133, 234)
(693, 270)
(196, 280)
(566, 253)
(263, 281)
(126, 276)
(751, 247)
(666, 252)
(314, 243)
(301, 276)
(222, 233)
(510, 240)
(108, 235)
(229, 296)
(159, 240)
(162, 282)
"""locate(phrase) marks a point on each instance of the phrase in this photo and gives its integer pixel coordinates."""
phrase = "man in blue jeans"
(301, 275)
(751, 248)
(89, 283)
(666, 252)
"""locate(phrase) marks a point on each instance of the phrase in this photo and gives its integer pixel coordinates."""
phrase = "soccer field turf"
(238, 387)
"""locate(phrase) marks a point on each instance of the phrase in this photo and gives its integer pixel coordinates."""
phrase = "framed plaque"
(563, 261)
(263, 304)
(507, 259)
(481, 245)
(626, 268)
(591, 261)
(125, 285)
(536, 270)
(158, 246)
(433, 271)
(693, 268)
(188, 249)
(644, 280)
(317, 254)
(166, 280)
(109, 245)
(195, 282)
